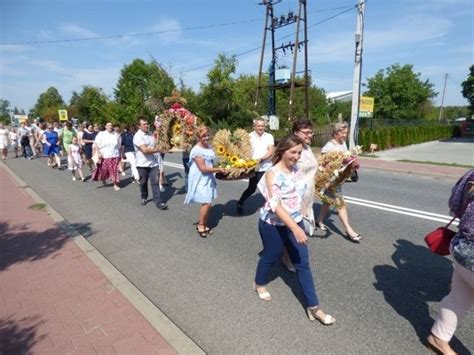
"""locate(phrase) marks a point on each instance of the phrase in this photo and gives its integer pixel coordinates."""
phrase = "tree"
(91, 104)
(48, 104)
(5, 111)
(217, 94)
(468, 89)
(399, 93)
(141, 88)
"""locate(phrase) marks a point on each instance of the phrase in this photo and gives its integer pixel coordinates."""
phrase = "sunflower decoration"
(176, 126)
(234, 153)
(334, 169)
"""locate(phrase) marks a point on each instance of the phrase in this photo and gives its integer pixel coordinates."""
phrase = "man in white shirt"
(262, 151)
(147, 163)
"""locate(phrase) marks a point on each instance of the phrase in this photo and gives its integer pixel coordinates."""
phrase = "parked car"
(467, 127)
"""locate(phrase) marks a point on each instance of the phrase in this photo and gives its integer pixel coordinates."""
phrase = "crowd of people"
(285, 177)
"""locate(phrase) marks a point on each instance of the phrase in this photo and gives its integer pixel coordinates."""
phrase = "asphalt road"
(383, 292)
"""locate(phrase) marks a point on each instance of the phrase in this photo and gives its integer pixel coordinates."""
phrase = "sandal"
(208, 230)
(321, 226)
(312, 315)
(264, 296)
(202, 233)
(434, 346)
(354, 238)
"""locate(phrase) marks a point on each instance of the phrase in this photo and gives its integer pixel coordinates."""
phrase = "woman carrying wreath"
(202, 182)
(281, 225)
(338, 143)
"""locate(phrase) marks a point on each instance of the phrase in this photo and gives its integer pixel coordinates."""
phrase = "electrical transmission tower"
(283, 78)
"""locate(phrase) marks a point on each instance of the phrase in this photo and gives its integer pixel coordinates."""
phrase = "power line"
(291, 34)
(131, 34)
(95, 38)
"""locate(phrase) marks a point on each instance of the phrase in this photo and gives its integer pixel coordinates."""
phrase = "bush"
(404, 135)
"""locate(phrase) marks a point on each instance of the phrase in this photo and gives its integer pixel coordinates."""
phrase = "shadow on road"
(18, 244)
(418, 277)
(19, 337)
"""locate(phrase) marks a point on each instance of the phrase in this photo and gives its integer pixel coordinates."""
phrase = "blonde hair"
(201, 131)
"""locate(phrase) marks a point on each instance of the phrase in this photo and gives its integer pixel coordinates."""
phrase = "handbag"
(308, 226)
(438, 240)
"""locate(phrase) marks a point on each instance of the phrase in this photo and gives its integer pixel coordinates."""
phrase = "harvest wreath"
(334, 169)
(234, 153)
(176, 126)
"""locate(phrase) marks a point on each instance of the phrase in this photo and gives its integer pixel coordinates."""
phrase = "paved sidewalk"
(53, 298)
(412, 168)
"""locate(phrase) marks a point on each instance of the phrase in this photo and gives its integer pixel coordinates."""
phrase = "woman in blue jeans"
(281, 225)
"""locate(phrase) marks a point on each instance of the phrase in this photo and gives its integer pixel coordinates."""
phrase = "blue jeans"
(274, 239)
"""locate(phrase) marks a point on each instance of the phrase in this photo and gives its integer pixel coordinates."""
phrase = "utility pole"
(359, 35)
(442, 97)
(275, 82)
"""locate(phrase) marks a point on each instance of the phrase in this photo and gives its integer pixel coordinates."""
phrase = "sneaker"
(83, 179)
(240, 209)
(143, 201)
(73, 178)
(162, 206)
(162, 188)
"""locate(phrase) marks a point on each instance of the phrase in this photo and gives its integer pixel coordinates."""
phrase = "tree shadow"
(19, 337)
(19, 244)
(458, 140)
(418, 277)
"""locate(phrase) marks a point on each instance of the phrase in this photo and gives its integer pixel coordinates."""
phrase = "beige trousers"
(456, 305)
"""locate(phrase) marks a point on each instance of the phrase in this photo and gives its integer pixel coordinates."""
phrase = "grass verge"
(38, 206)
(454, 165)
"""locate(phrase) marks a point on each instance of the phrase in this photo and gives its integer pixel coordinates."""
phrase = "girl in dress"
(74, 160)
(202, 182)
(4, 140)
(13, 135)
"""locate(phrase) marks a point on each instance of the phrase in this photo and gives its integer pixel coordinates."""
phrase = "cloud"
(13, 48)
(168, 24)
(414, 28)
(77, 31)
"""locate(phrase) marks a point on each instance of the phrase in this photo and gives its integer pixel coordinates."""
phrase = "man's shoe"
(143, 201)
(162, 206)
(240, 209)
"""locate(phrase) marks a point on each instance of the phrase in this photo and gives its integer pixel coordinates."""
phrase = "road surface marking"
(377, 205)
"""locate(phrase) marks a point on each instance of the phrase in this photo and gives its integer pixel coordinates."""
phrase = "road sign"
(62, 115)
(366, 106)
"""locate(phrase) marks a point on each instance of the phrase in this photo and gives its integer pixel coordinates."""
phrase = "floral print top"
(288, 190)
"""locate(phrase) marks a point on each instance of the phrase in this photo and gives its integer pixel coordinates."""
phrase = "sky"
(435, 36)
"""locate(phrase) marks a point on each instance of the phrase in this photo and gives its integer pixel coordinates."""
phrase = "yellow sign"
(62, 115)
(366, 104)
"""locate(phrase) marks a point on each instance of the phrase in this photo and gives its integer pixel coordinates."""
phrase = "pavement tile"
(51, 289)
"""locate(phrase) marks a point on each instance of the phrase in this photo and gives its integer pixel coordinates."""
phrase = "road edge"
(157, 319)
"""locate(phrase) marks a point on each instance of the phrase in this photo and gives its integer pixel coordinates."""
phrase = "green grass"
(369, 155)
(38, 206)
(454, 165)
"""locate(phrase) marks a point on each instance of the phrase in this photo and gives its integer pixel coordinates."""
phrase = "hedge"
(392, 137)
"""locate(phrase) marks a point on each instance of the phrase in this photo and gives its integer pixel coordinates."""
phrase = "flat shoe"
(264, 296)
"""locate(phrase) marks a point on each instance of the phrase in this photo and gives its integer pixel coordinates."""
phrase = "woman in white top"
(338, 143)
(4, 140)
(107, 149)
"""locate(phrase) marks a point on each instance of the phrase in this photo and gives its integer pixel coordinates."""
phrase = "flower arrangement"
(334, 169)
(176, 125)
(234, 153)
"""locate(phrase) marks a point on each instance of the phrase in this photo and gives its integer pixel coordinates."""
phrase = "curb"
(157, 319)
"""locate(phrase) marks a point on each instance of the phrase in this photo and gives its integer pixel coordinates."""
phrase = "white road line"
(377, 205)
